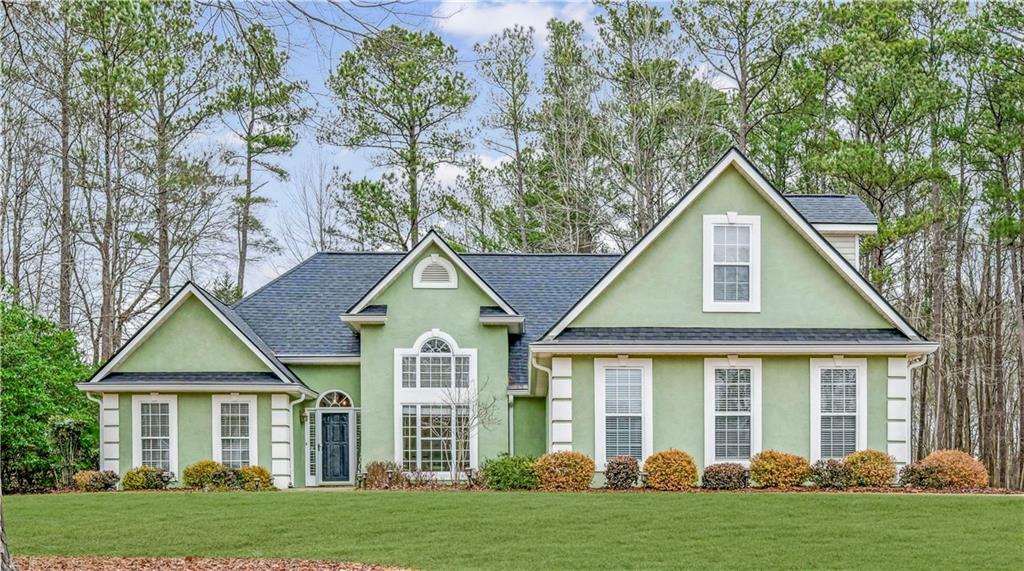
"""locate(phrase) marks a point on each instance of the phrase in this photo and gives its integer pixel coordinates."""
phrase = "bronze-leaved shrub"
(95, 481)
(957, 469)
(564, 471)
(200, 474)
(383, 475)
(621, 472)
(774, 469)
(256, 479)
(872, 468)
(725, 476)
(670, 469)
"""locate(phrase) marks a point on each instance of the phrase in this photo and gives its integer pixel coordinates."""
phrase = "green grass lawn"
(440, 530)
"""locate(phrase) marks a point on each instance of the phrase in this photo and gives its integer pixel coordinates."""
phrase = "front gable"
(804, 282)
(191, 339)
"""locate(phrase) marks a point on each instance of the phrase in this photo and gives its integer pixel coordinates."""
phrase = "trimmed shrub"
(146, 478)
(831, 474)
(918, 475)
(226, 479)
(774, 469)
(508, 472)
(958, 469)
(256, 479)
(377, 476)
(200, 474)
(564, 471)
(872, 468)
(670, 469)
(726, 476)
(95, 481)
(621, 472)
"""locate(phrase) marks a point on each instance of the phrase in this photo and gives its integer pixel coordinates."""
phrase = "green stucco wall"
(191, 339)
(195, 430)
(530, 430)
(678, 400)
(663, 286)
(412, 312)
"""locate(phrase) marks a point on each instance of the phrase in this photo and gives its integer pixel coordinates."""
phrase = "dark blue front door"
(334, 447)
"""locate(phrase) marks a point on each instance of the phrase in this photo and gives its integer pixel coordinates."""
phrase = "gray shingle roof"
(738, 335)
(212, 378)
(831, 208)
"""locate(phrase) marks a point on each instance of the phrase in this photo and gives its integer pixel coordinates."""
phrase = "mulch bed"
(185, 563)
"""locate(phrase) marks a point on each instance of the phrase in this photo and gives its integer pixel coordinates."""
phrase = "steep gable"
(804, 282)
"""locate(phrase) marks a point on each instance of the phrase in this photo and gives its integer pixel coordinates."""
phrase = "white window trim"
(754, 304)
(861, 366)
(646, 406)
(218, 400)
(709, 406)
(433, 396)
(418, 283)
(172, 412)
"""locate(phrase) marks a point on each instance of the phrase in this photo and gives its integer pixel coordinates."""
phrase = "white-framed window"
(732, 410)
(732, 263)
(623, 415)
(435, 396)
(838, 407)
(435, 272)
(234, 430)
(155, 431)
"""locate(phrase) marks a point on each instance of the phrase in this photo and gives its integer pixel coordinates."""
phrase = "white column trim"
(110, 433)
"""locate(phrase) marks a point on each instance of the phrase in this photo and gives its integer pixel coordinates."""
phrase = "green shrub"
(918, 475)
(564, 471)
(377, 476)
(95, 481)
(146, 478)
(831, 474)
(200, 474)
(871, 468)
(670, 469)
(509, 473)
(958, 469)
(256, 479)
(774, 469)
(726, 476)
(225, 479)
(621, 472)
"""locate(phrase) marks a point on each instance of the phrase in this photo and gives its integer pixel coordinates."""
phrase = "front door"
(334, 455)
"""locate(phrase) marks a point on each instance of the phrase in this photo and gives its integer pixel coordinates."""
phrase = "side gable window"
(732, 263)
(435, 272)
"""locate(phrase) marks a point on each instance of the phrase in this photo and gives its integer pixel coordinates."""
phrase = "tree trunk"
(67, 260)
(162, 206)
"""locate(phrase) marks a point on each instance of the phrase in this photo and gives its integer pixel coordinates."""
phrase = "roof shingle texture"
(218, 378)
(831, 208)
(737, 335)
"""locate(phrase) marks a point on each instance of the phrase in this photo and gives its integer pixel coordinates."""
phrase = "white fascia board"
(736, 159)
(319, 359)
(857, 229)
(546, 349)
(357, 321)
(192, 388)
(432, 237)
(513, 322)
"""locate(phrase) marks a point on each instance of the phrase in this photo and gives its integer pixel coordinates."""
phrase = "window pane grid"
(234, 434)
(731, 258)
(155, 430)
(732, 413)
(732, 437)
(623, 407)
(409, 372)
(433, 438)
(838, 391)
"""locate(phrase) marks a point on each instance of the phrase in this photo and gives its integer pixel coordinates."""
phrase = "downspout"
(511, 427)
(291, 438)
(547, 408)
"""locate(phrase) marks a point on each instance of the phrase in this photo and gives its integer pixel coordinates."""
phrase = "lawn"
(442, 530)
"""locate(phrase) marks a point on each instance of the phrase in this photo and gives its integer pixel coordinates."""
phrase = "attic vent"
(435, 272)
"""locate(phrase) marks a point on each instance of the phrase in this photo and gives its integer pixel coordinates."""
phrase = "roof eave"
(544, 348)
(282, 387)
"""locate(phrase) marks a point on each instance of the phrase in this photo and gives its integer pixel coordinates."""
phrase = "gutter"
(99, 387)
(549, 348)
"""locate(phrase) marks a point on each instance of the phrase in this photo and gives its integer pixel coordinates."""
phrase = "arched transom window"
(334, 399)
(435, 365)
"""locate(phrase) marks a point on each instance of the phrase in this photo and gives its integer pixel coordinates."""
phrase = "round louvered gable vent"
(434, 272)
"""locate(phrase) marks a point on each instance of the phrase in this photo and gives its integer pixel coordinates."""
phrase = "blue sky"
(461, 24)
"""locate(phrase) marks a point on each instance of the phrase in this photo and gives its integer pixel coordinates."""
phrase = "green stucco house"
(739, 323)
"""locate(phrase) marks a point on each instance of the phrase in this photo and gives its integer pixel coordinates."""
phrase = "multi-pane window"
(838, 402)
(732, 414)
(155, 430)
(731, 258)
(436, 366)
(623, 409)
(234, 434)
(435, 437)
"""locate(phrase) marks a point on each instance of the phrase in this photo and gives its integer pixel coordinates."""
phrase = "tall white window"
(622, 399)
(732, 263)
(435, 396)
(838, 407)
(155, 428)
(732, 410)
(234, 430)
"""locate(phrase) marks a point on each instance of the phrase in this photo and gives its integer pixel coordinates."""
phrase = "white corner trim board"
(110, 433)
(251, 401)
(560, 405)
(860, 365)
(172, 412)
(710, 413)
(646, 368)
(898, 410)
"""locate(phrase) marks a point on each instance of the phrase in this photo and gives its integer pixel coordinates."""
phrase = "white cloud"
(477, 21)
(447, 174)
(715, 79)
